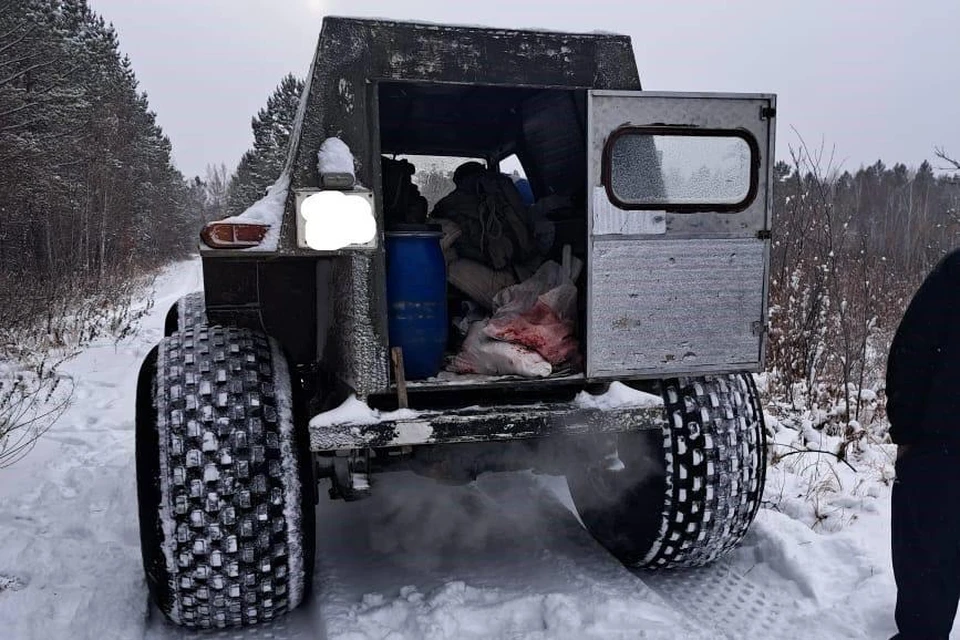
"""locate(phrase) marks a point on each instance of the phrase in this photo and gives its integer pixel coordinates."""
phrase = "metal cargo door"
(678, 223)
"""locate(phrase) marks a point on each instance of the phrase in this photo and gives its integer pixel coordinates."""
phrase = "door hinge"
(768, 113)
(764, 234)
(758, 328)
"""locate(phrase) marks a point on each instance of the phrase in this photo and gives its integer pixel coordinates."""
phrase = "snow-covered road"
(504, 557)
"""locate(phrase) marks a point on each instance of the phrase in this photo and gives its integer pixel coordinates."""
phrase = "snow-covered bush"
(848, 251)
(838, 286)
(43, 326)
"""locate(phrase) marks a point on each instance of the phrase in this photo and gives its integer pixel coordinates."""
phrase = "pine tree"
(261, 166)
(87, 184)
(215, 192)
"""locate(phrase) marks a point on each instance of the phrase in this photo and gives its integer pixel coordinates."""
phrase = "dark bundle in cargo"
(402, 201)
(492, 217)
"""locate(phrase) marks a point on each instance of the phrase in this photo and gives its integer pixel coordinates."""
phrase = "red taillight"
(233, 235)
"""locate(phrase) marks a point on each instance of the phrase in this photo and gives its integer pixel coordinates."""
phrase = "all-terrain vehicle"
(328, 344)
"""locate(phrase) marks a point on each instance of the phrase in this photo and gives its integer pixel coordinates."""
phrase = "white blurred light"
(334, 220)
(316, 7)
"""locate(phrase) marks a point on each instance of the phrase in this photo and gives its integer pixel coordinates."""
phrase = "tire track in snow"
(723, 600)
(720, 598)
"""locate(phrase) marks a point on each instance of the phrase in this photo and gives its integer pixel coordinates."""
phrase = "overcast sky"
(876, 79)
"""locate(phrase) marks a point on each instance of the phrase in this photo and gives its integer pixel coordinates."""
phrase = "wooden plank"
(396, 353)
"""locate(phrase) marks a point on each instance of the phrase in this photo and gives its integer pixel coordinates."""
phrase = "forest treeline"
(87, 185)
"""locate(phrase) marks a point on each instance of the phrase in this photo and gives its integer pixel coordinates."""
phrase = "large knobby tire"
(223, 475)
(187, 312)
(686, 495)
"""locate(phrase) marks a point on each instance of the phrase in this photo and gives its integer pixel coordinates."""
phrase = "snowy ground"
(504, 557)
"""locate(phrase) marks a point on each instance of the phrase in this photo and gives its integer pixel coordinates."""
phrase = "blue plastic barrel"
(417, 298)
(526, 193)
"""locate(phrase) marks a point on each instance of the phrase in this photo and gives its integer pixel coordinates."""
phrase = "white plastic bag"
(483, 355)
(539, 314)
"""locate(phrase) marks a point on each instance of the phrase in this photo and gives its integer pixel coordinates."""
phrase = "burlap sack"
(477, 281)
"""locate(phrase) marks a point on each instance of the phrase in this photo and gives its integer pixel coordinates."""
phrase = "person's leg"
(926, 543)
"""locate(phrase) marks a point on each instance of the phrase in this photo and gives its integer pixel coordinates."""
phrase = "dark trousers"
(926, 541)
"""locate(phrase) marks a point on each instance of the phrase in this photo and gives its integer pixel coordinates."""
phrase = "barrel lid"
(409, 228)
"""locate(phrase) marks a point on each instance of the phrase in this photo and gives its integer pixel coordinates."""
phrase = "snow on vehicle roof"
(429, 24)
